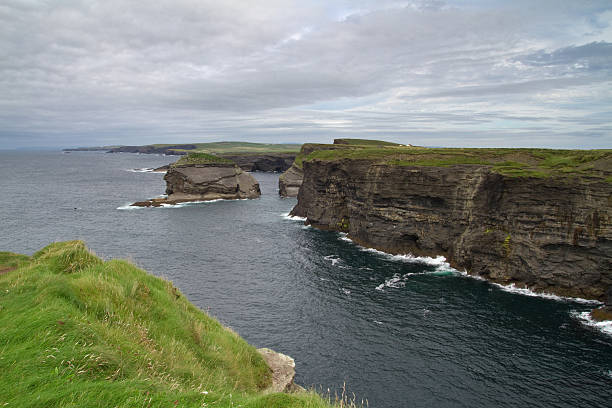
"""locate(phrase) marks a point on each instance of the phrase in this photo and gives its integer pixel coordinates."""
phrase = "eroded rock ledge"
(205, 182)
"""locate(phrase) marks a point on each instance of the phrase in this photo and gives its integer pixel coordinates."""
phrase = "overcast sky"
(434, 73)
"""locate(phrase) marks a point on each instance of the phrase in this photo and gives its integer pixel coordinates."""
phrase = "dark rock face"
(549, 234)
(277, 162)
(290, 181)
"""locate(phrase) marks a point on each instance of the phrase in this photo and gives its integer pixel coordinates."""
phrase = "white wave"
(292, 217)
(511, 288)
(377, 322)
(439, 261)
(344, 237)
(465, 274)
(345, 291)
(129, 207)
(399, 281)
(528, 292)
(178, 205)
(146, 170)
(586, 319)
(442, 266)
(306, 226)
(188, 203)
(333, 258)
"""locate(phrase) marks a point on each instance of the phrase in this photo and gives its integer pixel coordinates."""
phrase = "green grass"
(81, 332)
(509, 162)
(364, 142)
(201, 158)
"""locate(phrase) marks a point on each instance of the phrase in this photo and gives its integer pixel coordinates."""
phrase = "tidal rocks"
(552, 234)
(283, 371)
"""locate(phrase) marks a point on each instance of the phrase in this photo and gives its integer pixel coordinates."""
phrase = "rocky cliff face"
(290, 181)
(262, 162)
(550, 234)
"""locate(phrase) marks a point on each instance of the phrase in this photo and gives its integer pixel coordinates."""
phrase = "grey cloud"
(190, 69)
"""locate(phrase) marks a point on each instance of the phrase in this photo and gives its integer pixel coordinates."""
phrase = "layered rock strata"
(290, 181)
(549, 234)
(272, 162)
(205, 182)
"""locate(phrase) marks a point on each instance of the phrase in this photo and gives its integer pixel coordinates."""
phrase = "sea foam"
(292, 217)
(146, 170)
(544, 295)
(586, 319)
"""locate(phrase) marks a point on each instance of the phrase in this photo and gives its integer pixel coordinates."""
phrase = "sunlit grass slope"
(76, 331)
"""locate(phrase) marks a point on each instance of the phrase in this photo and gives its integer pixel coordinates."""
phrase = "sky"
(466, 73)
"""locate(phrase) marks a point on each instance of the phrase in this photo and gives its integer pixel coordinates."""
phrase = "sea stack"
(204, 177)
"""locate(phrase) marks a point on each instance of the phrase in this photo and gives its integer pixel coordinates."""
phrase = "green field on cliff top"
(238, 147)
(510, 162)
(81, 332)
(200, 158)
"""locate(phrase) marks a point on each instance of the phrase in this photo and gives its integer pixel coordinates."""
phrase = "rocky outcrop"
(290, 181)
(210, 182)
(551, 234)
(272, 162)
(283, 371)
(205, 182)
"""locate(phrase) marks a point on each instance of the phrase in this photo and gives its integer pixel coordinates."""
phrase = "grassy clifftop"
(235, 147)
(201, 158)
(81, 332)
(510, 162)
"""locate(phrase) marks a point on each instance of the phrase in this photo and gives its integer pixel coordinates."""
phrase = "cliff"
(290, 181)
(203, 177)
(80, 331)
(536, 218)
(270, 162)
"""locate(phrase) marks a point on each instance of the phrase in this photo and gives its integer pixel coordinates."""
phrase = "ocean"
(398, 331)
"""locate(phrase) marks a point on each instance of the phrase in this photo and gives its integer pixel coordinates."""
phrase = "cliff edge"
(106, 333)
(534, 217)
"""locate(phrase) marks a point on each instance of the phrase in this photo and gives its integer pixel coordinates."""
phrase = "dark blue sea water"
(424, 338)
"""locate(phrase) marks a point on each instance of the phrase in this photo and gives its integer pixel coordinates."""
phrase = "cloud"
(102, 72)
